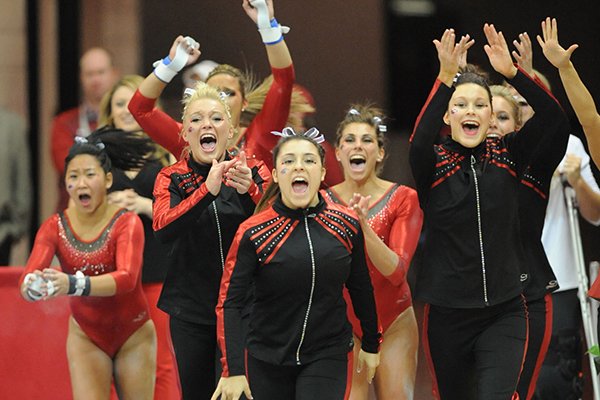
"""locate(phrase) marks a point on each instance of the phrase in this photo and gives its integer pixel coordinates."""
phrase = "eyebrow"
(293, 154)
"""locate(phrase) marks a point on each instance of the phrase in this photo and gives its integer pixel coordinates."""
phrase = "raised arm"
(163, 129)
(276, 108)
(429, 122)
(579, 96)
(548, 117)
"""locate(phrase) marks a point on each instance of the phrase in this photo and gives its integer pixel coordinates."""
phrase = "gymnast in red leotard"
(391, 224)
(100, 247)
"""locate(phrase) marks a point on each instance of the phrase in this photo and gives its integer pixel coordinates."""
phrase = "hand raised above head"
(524, 53)
(497, 52)
(188, 46)
(255, 7)
(450, 54)
(553, 51)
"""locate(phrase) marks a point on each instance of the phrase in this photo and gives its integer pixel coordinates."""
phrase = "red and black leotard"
(107, 321)
(257, 140)
(396, 219)
(298, 262)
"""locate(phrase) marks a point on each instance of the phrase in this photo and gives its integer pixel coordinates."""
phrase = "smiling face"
(505, 120)
(206, 128)
(299, 172)
(87, 183)
(359, 151)
(122, 118)
(469, 114)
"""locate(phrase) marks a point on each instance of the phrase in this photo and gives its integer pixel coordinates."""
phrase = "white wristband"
(79, 284)
(269, 29)
(166, 69)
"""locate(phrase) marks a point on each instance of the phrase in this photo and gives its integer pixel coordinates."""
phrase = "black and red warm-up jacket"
(533, 201)
(473, 253)
(200, 228)
(298, 262)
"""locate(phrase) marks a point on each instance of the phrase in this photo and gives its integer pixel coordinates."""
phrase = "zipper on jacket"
(214, 204)
(312, 289)
(485, 294)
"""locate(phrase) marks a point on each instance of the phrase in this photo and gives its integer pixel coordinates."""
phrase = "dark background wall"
(337, 45)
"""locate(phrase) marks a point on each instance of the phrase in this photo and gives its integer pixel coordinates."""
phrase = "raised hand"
(251, 7)
(450, 53)
(189, 45)
(239, 175)
(467, 43)
(553, 51)
(497, 52)
(524, 53)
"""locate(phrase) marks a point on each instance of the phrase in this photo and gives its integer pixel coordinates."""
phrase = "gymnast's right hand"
(189, 45)
(32, 286)
(231, 388)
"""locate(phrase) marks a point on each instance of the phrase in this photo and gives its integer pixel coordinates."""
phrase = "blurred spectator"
(15, 199)
(97, 75)
(198, 72)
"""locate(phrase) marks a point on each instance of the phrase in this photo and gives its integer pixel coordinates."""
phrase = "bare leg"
(135, 364)
(90, 367)
(360, 387)
(397, 371)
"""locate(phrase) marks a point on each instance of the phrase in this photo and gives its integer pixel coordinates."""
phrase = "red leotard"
(396, 218)
(107, 321)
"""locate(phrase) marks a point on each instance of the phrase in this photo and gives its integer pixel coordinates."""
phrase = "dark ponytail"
(114, 147)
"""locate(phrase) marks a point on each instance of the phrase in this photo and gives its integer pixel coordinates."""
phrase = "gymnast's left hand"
(231, 388)
(368, 362)
(56, 283)
(239, 175)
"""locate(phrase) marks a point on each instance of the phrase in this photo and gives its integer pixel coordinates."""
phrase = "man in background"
(97, 74)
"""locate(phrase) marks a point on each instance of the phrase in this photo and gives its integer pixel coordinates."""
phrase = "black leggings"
(560, 374)
(538, 340)
(197, 358)
(476, 353)
(327, 378)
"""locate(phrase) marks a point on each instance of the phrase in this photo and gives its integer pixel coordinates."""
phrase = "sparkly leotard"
(107, 321)
(396, 219)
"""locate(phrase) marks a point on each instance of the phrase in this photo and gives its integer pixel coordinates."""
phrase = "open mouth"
(470, 128)
(357, 162)
(299, 185)
(85, 199)
(208, 142)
